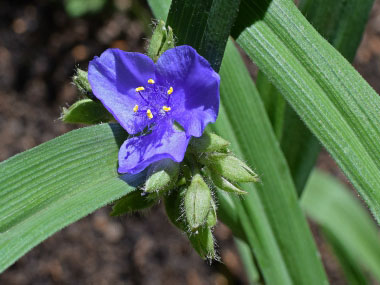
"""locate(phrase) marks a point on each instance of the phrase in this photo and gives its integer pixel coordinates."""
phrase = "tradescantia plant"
(164, 107)
(156, 146)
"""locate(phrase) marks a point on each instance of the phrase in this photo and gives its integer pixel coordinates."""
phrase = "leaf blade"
(333, 207)
(343, 29)
(38, 209)
(288, 49)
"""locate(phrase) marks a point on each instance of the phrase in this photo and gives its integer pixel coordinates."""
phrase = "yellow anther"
(170, 91)
(149, 114)
(138, 89)
(151, 81)
(135, 108)
(166, 108)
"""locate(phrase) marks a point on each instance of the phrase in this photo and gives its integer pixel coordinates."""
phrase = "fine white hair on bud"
(229, 166)
(197, 202)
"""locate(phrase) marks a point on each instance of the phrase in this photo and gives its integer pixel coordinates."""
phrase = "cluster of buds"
(188, 189)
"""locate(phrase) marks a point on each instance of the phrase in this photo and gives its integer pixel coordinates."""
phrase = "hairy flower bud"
(208, 142)
(162, 176)
(86, 111)
(229, 166)
(169, 41)
(225, 185)
(133, 201)
(162, 40)
(81, 82)
(203, 242)
(197, 202)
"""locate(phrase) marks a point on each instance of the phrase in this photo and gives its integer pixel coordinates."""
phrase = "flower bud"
(133, 201)
(86, 111)
(229, 166)
(162, 176)
(169, 41)
(162, 40)
(225, 185)
(81, 82)
(208, 142)
(174, 208)
(203, 242)
(197, 202)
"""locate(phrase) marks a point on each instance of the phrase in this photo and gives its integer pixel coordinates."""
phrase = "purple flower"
(147, 98)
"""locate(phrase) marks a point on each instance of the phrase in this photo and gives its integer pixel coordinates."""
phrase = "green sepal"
(173, 202)
(203, 243)
(223, 183)
(197, 202)
(86, 111)
(80, 80)
(169, 41)
(208, 142)
(162, 176)
(162, 40)
(229, 166)
(132, 202)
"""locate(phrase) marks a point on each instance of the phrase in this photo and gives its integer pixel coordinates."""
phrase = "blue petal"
(164, 142)
(113, 78)
(195, 100)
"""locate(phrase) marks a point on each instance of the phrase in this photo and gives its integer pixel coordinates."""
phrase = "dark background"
(40, 45)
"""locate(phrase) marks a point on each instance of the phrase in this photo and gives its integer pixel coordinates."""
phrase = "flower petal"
(195, 100)
(113, 78)
(164, 142)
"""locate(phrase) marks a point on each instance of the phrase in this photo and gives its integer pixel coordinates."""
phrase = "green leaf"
(347, 223)
(343, 29)
(204, 24)
(86, 111)
(352, 271)
(53, 185)
(336, 22)
(335, 102)
(247, 258)
(274, 103)
(244, 122)
(160, 8)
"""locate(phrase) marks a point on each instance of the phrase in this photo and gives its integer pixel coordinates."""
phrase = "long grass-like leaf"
(249, 127)
(335, 102)
(343, 29)
(348, 226)
(53, 185)
(205, 25)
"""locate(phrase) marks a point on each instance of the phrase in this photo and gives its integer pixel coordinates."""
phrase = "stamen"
(151, 81)
(149, 114)
(138, 89)
(135, 109)
(166, 108)
(170, 91)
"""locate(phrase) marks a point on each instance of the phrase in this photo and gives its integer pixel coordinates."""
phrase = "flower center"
(155, 100)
